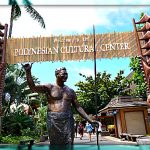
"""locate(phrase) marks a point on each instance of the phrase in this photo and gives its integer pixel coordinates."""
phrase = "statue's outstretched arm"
(33, 87)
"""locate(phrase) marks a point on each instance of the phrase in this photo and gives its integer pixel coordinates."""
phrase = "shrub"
(13, 123)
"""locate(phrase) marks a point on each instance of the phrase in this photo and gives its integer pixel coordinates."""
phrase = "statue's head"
(61, 74)
(58, 70)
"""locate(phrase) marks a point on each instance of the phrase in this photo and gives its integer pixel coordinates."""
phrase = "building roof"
(123, 102)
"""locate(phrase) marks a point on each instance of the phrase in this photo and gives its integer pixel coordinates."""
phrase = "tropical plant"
(16, 13)
(139, 26)
(16, 85)
(15, 82)
(40, 119)
(137, 78)
(106, 90)
(14, 123)
(9, 139)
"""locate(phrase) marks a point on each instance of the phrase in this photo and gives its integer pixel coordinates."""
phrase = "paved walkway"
(102, 140)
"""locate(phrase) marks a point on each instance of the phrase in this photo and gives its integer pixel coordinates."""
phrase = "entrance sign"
(73, 47)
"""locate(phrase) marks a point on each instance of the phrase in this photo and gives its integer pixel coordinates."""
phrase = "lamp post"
(95, 81)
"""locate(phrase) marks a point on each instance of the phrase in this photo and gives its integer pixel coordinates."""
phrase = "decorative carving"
(143, 43)
(3, 41)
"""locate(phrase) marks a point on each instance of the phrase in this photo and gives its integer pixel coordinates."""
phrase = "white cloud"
(5, 14)
(84, 71)
(118, 16)
(58, 20)
(69, 20)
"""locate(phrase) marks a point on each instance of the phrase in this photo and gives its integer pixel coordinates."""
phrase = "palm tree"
(16, 84)
(16, 13)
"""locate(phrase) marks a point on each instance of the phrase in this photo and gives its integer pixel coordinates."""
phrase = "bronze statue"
(60, 98)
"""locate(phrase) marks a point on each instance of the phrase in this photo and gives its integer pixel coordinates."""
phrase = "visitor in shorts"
(89, 129)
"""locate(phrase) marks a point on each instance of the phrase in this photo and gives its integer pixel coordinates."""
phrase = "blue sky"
(73, 19)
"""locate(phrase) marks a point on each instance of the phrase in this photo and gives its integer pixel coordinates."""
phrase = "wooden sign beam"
(73, 47)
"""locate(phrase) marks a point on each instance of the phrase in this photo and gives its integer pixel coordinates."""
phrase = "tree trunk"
(11, 21)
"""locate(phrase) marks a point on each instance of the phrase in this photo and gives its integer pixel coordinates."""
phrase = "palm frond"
(16, 11)
(35, 15)
(26, 2)
(10, 2)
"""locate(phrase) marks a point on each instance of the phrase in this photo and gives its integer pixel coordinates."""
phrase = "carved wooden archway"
(3, 42)
(142, 33)
(123, 45)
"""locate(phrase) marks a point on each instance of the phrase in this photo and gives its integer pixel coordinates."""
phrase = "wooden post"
(2, 66)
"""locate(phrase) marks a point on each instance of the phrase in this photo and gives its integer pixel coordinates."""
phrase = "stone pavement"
(102, 140)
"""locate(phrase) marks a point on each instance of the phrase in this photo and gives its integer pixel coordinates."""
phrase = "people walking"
(76, 129)
(89, 130)
(99, 127)
(80, 130)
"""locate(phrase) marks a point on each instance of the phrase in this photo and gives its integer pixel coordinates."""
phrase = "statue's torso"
(60, 98)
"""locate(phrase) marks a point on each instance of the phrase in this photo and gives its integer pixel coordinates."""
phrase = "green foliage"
(35, 15)
(139, 26)
(18, 123)
(16, 13)
(43, 99)
(106, 90)
(78, 118)
(14, 123)
(34, 133)
(137, 78)
(40, 119)
(9, 139)
(16, 85)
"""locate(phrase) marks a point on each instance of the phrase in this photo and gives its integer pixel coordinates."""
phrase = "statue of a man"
(60, 98)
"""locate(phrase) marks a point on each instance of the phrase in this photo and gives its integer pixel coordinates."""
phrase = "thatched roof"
(123, 102)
